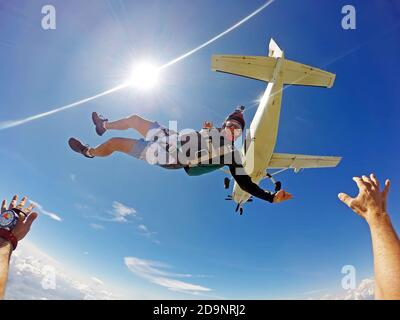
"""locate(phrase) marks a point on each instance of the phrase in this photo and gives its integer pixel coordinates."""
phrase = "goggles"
(234, 127)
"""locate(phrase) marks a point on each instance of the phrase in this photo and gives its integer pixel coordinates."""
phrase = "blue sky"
(272, 251)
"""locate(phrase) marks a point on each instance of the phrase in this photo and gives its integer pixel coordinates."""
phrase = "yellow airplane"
(258, 149)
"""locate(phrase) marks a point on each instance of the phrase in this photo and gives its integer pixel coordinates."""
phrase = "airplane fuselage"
(263, 132)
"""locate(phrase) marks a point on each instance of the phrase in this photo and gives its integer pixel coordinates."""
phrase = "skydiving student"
(197, 152)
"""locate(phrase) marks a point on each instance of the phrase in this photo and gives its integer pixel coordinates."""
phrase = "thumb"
(29, 220)
(345, 198)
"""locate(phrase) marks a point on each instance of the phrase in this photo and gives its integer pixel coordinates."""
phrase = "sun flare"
(144, 76)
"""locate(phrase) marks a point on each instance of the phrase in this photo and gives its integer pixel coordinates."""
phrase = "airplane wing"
(300, 161)
(261, 68)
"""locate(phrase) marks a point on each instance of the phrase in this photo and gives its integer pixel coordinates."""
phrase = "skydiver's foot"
(278, 186)
(78, 147)
(99, 123)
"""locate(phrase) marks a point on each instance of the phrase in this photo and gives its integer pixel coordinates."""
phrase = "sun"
(144, 76)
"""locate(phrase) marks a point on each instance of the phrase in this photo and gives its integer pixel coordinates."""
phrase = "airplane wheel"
(241, 211)
(226, 183)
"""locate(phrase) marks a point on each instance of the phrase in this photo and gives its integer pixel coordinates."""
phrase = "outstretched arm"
(371, 205)
(20, 231)
(245, 183)
(5, 253)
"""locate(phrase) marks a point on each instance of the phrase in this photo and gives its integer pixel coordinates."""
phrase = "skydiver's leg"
(136, 122)
(135, 148)
(114, 144)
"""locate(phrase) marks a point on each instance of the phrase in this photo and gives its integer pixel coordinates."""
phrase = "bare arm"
(20, 231)
(371, 205)
(5, 253)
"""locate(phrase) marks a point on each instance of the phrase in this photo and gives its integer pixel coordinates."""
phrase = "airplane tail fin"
(262, 68)
(273, 49)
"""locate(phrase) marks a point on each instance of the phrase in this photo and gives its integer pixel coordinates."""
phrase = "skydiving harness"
(172, 143)
(213, 149)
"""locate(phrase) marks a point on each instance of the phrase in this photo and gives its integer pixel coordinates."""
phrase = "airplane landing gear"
(227, 182)
(239, 208)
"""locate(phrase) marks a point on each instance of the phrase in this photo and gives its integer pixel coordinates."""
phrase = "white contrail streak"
(218, 36)
(14, 123)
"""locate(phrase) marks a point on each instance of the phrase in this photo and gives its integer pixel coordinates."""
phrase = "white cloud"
(121, 212)
(147, 233)
(153, 271)
(177, 285)
(97, 281)
(314, 291)
(365, 291)
(97, 226)
(143, 228)
(36, 276)
(52, 215)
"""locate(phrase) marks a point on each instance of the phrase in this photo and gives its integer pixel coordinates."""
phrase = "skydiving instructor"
(197, 152)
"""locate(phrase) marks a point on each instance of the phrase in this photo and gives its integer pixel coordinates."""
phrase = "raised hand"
(370, 202)
(25, 219)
